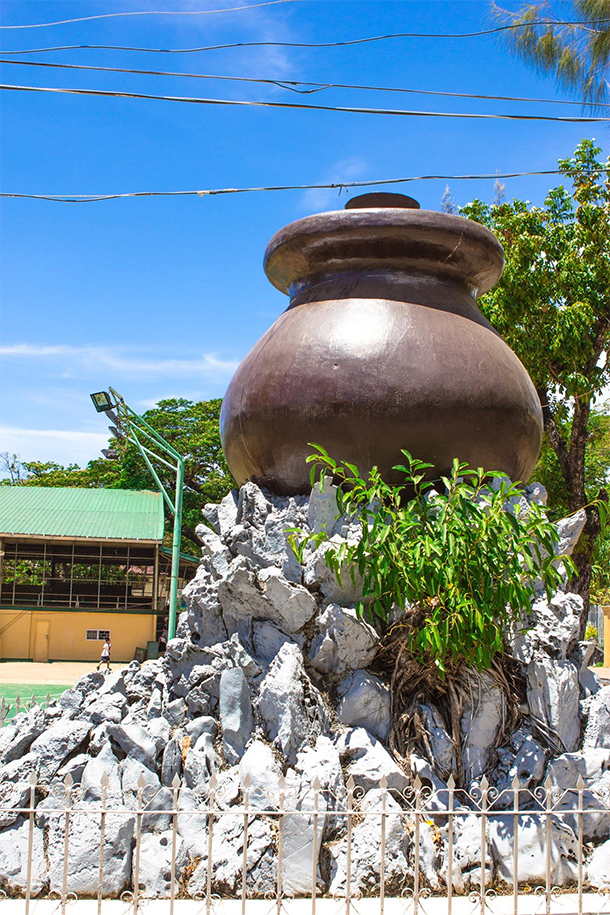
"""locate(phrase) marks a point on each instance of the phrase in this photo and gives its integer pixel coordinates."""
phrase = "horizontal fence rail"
(244, 840)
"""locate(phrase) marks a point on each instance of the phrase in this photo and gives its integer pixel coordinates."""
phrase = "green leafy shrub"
(463, 562)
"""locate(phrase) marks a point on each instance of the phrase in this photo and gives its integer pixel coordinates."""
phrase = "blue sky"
(161, 297)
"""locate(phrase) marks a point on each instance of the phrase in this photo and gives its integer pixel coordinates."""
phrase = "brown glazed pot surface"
(382, 347)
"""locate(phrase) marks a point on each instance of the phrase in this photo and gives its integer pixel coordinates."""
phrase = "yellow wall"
(66, 633)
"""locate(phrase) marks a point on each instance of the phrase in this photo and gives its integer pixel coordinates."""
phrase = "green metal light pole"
(133, 427)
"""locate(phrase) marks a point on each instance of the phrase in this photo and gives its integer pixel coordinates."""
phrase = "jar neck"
(429, 291)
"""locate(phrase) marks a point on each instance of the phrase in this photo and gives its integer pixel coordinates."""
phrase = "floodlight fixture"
(110, 454)
(102, 401)
(117, 433)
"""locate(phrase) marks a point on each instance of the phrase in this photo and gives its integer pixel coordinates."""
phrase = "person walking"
(105, 658)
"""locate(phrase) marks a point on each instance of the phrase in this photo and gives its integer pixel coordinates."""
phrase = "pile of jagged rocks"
(268, 677)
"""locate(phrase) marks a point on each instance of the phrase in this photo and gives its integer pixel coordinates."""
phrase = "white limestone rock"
(12, 795)
(593, 765)
(598, 867)
(531, 863)
(317, 575)
(235, 713)
(155, 864)
(261, 766)
(104, 764)
(551, 627)
(597, 731)
(368, 761)
(441, 744)
(17, 738)
(57, 742)
(301, 842)
(365, 702)
(14, 859)
(135, 741)
(481, 722)
(267, 640)
(222, 516)
(227, 856)
(553, 697)
(569, 530)
(366, 851)
(467, 858)
(342, 642)
(291, 707)
(204, 614)
(266, 595)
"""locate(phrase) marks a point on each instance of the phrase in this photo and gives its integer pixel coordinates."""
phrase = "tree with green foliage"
(191, 427)
(552, 306)
(458, 563)
(575, 49)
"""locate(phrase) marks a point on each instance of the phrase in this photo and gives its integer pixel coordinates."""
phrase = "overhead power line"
(293, 84)
(305, 44)
(244, 103)
(335, 185)
(231, 9)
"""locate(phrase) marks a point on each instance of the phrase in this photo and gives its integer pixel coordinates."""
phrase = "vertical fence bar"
(100, 882)
(348, 864)
(211, 799)
(581, 786)
(314, 855)
(172, 891)
(416, 796)
(28, 884)
(384, 800)
(548, 787)
(451, 806)
(280, 844)
(516, 785)
(244, 863)
(136, 866)
(64, 882)
(484, 789)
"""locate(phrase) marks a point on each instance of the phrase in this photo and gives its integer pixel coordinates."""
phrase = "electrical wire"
(336, 185)
(292, 84)
(105, 93)
(304, 44)
(232, 9)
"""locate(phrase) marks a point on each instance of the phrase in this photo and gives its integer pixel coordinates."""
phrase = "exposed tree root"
(415, 683)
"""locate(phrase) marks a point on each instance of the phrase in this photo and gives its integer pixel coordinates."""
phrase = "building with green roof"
(79, 567)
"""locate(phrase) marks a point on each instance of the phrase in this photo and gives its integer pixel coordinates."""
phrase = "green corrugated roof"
(106, 514)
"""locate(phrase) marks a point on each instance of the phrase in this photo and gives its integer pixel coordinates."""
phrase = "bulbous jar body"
(381, 348)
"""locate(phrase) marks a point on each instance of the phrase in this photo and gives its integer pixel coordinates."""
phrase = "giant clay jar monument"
(382, 347)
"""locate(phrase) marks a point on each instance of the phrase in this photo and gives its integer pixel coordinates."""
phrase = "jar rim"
(415, 241)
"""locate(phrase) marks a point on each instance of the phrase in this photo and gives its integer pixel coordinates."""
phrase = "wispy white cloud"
(64, 446)
(88, 361)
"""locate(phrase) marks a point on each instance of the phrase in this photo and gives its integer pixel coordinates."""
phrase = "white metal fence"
(9, 709)
(350, 843)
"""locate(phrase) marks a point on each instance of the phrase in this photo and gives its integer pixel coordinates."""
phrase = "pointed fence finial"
(316, 784)
(68, 781)
(104, 780)
(451, 782)
(484, 783)
(515, 784)
(351, 784)
(548, 783)
(176, 782)
(141, 781)
(247, 781)
(580, 784)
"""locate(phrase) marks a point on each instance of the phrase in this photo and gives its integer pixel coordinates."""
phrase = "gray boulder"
(264, 595)
(552, 627)
(17, 738)
(342, 642)
(365, 702)
(14, 843)
(597, 731)
(136, 742)
(366, 851)
(267, 640)
(481, 723)
(227, 856)
(56, 743)
(598, 867)
(235, 713)
(553, 697)
(223, 516)
(260, 766)
(531, 862)
(155, 874)
(289, 704)
(368, 761)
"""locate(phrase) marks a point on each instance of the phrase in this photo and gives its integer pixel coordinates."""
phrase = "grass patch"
(25, 691)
